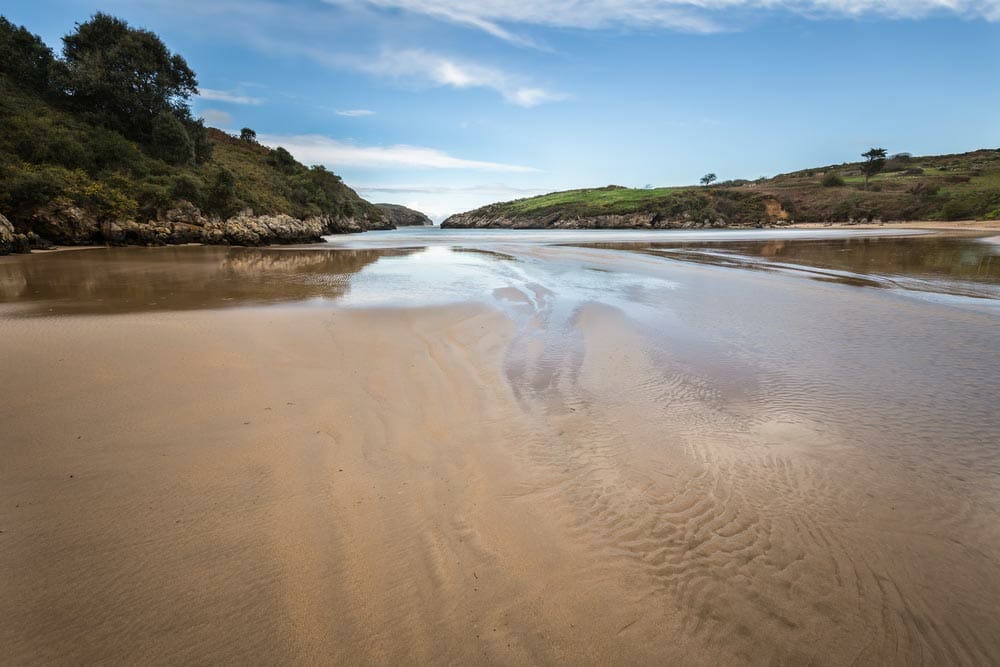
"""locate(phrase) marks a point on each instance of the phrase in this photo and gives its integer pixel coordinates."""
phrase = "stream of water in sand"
(732, 446)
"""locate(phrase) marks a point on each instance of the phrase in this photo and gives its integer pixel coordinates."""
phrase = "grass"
(941, 187)
(49, 154)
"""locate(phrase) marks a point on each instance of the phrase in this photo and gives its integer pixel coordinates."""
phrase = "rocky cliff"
(10, 240)
(480, 220)
(401, 216)
(62, 223)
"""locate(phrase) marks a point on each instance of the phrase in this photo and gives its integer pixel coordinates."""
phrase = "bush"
(107, 203)
(36, 186)
(171, 142)
(186, 187)
(282, 160)
(220, 198)
(152, 199)
(832, 180)
(956, 209)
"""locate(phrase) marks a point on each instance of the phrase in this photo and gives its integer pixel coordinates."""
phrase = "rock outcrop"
(401, 216)
(10, 240)
(477, 220)
(62, 223)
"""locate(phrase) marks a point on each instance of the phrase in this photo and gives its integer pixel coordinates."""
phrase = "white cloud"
(685, 15)
(436, 70)
(217, 118)
(317, 149)
(227, 96)
(355, 113)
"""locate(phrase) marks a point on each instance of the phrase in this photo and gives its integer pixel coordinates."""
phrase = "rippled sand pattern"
(595, 456)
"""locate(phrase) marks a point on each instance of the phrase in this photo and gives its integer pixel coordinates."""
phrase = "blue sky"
(444, 105)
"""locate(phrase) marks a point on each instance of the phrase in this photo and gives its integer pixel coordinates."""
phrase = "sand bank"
(657, 479)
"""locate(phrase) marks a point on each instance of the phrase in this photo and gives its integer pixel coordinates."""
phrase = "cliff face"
(615, 207)
(63, 223)
(10, 240)
(401, 216)
(478, 220)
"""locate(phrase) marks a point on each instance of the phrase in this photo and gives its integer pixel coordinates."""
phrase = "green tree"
(873, 164)
(124, 77)
(170, 141)
(199, 137)
(283, 161)
(708, 179)
(248, 135)
(221, 195)
(24, 57)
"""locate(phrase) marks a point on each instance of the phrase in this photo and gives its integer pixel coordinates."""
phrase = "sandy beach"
(606, 457)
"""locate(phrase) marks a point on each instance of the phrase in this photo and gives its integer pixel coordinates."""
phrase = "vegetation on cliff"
(106, 130)
(946, 187)
(402, 216)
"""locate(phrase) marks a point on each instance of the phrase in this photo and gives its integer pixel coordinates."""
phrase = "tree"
(873, 164)
(24, 57)
(124, 77)
(199, 137)
(708, 179)
(170, 141)
(248, 135)
(221, 195)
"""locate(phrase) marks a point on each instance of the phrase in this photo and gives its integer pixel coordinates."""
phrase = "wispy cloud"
(228, 96)
(317, 149)
(416, 65)
(492, 16)
(217, 118)
(355, 113)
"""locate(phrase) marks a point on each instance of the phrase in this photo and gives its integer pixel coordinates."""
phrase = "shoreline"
(916, 225)
(939, 225)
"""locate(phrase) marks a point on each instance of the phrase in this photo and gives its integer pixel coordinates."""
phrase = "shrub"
(832, 180)
(36, 186)
(152, 199)
(956, 209)
(220, 197)
(171, 142)
(108, 203)
(282, 160)
(186, 187)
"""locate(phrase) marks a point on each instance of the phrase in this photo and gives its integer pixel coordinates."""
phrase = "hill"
(129, 165)
(944, 187)
(401, 216)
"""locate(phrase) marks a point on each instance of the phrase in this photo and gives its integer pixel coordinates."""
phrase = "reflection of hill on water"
(123, 280)
(962, 259)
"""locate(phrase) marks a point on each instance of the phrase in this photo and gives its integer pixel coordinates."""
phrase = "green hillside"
(64, 144)
(946, 187)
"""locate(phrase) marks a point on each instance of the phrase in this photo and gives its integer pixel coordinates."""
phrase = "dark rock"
(400, 216)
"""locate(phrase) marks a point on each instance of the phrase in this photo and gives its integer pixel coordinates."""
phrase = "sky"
(446, 105)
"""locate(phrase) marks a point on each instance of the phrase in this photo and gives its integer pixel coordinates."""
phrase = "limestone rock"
(401, 216)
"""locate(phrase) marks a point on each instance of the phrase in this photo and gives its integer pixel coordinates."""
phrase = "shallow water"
(786, 443)
(414, 267)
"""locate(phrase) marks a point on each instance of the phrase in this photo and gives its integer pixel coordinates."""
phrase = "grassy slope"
(925, 188)
(47, 153)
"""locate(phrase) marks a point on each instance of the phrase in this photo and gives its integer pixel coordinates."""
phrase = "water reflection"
(961, 265)
(124, 280)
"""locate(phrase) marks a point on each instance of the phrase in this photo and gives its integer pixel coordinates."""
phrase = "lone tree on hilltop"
(708, 179)
(873, 164)
(248, 135)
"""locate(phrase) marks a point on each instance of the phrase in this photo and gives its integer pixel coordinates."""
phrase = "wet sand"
(601, 457)
(939, 225)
